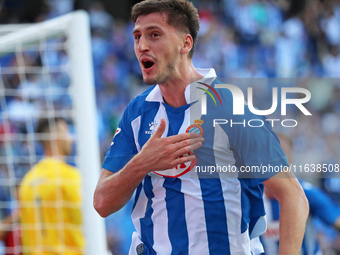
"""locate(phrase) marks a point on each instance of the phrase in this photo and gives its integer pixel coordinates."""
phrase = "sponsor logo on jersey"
(116, 133)
(196, 127)
(153, 127)
(178, 170)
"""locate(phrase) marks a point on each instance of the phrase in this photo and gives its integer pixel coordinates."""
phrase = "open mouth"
(147, 64)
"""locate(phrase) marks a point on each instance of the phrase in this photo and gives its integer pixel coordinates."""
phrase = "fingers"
(184, 159)
(187, 146)
(192, 143)
(181, 137)
(160, 130)
(175, 138)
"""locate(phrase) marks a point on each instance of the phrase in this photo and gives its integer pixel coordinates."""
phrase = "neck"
(54, 153)
(173, 91)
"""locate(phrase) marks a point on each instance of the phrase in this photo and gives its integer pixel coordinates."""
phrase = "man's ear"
(187, 44)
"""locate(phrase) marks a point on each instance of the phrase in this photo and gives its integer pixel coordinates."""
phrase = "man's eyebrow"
(148, 28)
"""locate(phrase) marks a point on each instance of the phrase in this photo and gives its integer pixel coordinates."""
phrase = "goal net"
(46, 71)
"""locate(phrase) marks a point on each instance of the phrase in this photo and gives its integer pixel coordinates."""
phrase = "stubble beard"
(162, 77)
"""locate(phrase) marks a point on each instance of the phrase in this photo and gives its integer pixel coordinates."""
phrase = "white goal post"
(75, 27)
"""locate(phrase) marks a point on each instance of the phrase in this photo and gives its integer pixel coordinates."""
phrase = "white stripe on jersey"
(191, 188)
(161, 114)
(247, 249)
(256, 246)
(231, 192)
(194, 213)
(139, 209)
(159, 217)
(135, 124)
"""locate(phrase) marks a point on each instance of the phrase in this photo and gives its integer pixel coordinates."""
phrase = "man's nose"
(143, 45)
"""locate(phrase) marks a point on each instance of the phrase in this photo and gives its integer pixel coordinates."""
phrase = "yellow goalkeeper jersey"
(50, 209)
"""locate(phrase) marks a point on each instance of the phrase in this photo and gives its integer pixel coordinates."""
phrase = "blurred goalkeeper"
(50, 200)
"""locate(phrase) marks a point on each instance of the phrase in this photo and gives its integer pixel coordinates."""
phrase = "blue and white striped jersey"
(182, 210)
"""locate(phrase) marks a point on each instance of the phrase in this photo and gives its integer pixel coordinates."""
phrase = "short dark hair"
(182, 15)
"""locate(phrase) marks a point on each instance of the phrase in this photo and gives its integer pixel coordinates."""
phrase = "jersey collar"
(209, 75)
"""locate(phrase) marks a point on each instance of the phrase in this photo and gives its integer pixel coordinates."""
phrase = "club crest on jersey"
(196, 127)
(153, 127)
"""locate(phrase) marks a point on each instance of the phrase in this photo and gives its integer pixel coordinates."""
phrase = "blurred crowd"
(294, 40)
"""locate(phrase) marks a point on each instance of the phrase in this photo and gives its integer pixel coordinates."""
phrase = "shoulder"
(139, 104)
(222, 90)
(33, 173)
(27, 179)
(69, 171)
(32, 177)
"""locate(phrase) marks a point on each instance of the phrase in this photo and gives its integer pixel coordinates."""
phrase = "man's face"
(65, 139)
(157, 48)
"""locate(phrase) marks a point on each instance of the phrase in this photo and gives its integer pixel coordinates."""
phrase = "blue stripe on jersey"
(178, 233)
(215, 215)
(146, 222)
(176, 118)
(174, 198)
(213, 200)
(251, 196)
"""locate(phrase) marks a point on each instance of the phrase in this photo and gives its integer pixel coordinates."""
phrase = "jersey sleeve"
(123, 147)
(321, 206)
(257, 146)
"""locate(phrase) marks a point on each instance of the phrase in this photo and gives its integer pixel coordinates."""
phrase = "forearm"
(294, 211)
(115, 190)
(293, 218)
